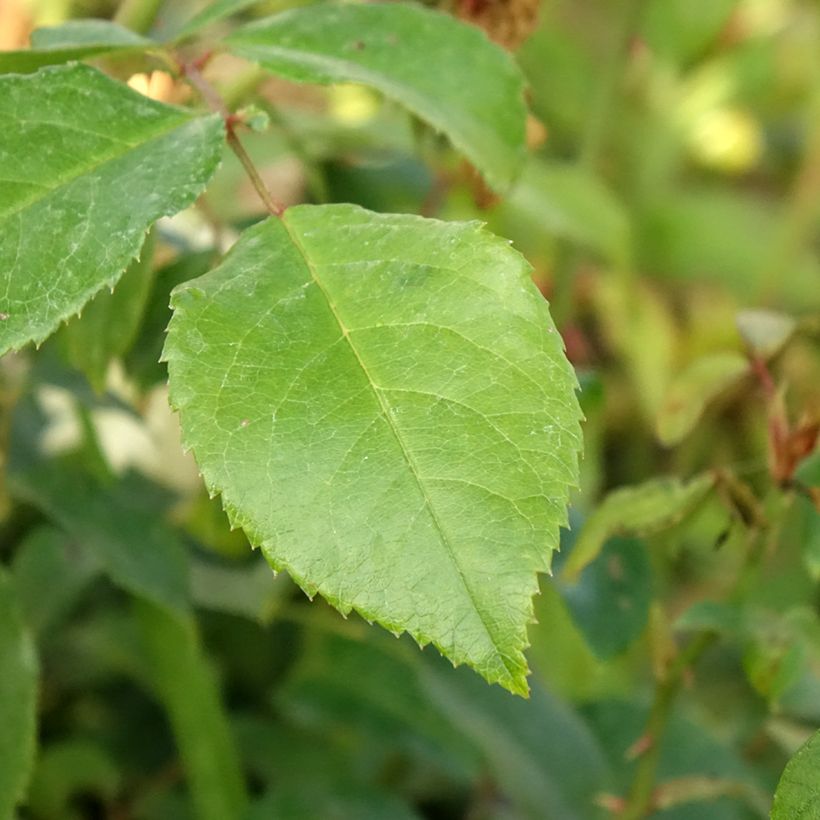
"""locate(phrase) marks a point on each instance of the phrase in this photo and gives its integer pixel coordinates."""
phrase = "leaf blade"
(415, 56)
(797, 792)
(89, 165)
(377, 465)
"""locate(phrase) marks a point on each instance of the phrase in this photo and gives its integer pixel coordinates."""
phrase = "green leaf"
(18, 700)
(212, 13)
(138, 551)
(73, 40)
(50, 573)
(798, 792)
(610, 602)
(569, 202)
(643, 509)
(68, 769)
(386, 408)
(446, 72)
(110, 321)
(186, 686)
(87, 165)
(689, 395)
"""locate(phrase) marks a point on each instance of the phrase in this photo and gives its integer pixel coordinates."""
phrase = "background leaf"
(402, 379)
(72, 219)
(188, 690)
(643, 509)
(798, 792)
(73, 40)
(415, 56)
(18, 700)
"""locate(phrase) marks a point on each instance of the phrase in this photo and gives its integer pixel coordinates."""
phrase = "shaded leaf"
(188, 690)
(569, 202)
(413, 55)
(73, 40)
(643, 509)
(50, 572)
(110, 321)
(67, 769)
(610, 601)
(138, 551)
(689, 395)
(87, 166)
(346, 803)
(386, 409)
(18, 700)
(798, 792)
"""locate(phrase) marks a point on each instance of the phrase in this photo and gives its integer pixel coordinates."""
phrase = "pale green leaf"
(570, 202)
(73, 40)
(18, 700)
(691, 392)
(446, 72)
(212, 13)
(641, 510)
(386, 408)
(798, 792)
(86, 166)
(765, 332)
(187, 688)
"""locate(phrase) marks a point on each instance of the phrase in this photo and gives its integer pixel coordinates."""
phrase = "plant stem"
(212, 97)
(640, 798)
(138, 15)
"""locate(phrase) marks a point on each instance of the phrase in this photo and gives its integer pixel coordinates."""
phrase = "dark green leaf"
(610, 601)
(415, 56)
(136, 548)
(188, 690)
(18, 700)
(87, 165)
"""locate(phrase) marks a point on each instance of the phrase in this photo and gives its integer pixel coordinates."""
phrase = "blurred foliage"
(671, 211)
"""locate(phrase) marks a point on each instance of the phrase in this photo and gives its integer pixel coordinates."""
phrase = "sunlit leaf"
(415, 56)
(86, 166)
(386, 408)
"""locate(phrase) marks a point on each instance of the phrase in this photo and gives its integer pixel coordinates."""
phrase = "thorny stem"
(215, 102)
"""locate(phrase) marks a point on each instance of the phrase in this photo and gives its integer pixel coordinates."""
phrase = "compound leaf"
(86, 166)
(418, 57)
(387, 410)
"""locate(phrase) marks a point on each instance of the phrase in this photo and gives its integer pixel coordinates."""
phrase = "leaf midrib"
(402, 446)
